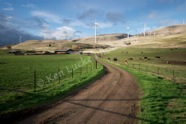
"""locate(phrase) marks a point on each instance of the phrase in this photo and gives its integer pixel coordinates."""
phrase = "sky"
(71, 19)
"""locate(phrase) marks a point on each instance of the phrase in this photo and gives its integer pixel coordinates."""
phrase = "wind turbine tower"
(144, 29)
(128, 29)
(183, 21)
(20, 39)
(95, 25)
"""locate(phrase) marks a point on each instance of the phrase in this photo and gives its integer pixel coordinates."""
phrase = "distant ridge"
(170, 30)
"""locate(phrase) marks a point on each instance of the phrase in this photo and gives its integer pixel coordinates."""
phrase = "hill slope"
(170, 30)
(47, 45)
(172, 36)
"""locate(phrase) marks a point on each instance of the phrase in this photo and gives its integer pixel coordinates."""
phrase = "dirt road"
(110, 100)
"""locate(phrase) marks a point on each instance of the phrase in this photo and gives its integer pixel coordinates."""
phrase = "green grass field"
(170, 59)
(53, 76)
(162, 102)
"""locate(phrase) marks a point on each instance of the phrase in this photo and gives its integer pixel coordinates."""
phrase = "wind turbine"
(128, 29)
(20, 39)
(144, 29)
(95, 26)
(183, 21)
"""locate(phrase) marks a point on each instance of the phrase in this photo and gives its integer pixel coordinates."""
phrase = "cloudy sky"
(67, 19)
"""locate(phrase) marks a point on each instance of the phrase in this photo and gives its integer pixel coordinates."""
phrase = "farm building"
(16, 52)
(69, 51)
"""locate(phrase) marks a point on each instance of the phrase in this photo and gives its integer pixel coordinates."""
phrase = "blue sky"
(67, 19)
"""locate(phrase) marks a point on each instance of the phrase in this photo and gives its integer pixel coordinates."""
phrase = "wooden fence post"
(96, 64)
(34, 80)
(72, 73)
(158, 71)
(173, 75)
(146, 68)
(59, 75)
(139, 66)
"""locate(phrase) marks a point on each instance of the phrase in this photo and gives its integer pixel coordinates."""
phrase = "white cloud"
(9, 18)
(76, 23)
(59, 33)
(29, 5)
(8, 4)
(153, 15)
(49, 16)
(105, 24)
(168, 22)
(8, 9)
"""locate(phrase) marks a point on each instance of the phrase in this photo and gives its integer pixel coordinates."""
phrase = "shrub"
(115, 59)
(130, 59)
(9, 47)
(157, 57)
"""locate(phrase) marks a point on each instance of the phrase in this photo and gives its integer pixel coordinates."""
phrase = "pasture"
(162, 100)
(164, 60)
(29, 81)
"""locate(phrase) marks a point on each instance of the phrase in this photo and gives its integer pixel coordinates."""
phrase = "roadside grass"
(162, 102)
(17, 77)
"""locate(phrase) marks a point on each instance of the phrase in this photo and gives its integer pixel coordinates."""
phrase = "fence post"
(96, 64)
(158, 71)
(146, 68)
(72, 73)
(34, 80)
(139, 66)
(59, 75)
(173, 75)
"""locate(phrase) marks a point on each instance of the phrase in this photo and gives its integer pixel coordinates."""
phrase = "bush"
(130, 59)
(157, 57)
(115, 59)
(9, 47)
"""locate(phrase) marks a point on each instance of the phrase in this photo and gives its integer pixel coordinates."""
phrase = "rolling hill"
(172, 36)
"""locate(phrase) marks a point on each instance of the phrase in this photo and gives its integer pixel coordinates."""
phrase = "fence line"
(69, 75)
(170, 74)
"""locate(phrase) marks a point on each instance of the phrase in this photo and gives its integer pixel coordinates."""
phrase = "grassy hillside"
(170, 41)
(43, 45)
(170, 30)
(166, 37)
(164, 59)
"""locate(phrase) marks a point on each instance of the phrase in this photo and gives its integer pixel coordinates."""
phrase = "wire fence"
(162, 72)
(39, 80)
